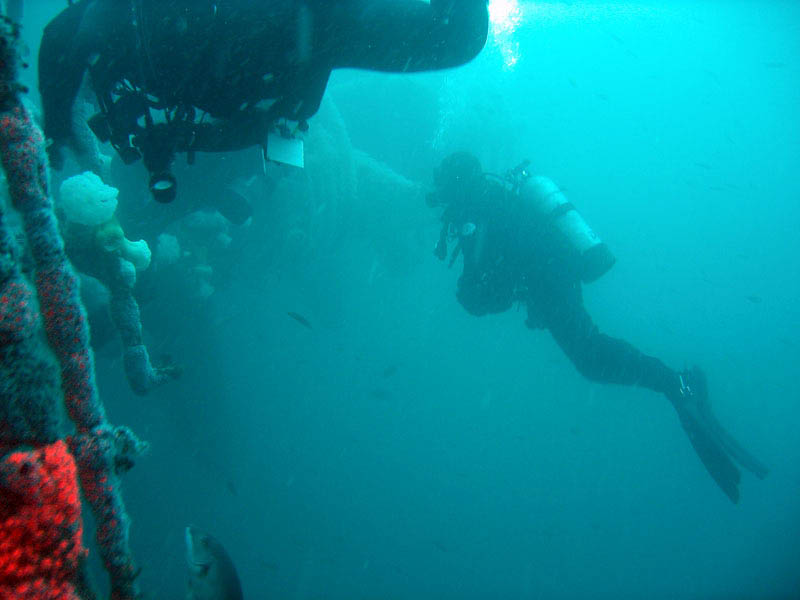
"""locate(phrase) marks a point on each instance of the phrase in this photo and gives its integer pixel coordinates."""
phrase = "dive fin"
(712, 454)
(725, 439)
(742, 456)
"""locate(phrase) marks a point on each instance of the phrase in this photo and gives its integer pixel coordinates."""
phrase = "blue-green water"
(404, 449)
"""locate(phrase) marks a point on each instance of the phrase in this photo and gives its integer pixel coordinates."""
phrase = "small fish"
(212, 575)
(231, 488)
(390, 370)
(440, 546)
(380, 394)
(616, 38)
(754, 298)
(300, 319)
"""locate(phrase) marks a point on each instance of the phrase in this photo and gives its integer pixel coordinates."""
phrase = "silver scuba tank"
(593, 257)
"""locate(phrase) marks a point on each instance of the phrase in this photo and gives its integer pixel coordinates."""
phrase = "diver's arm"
(14, 10)
(407, 35)
(241, 131)
(61, 68)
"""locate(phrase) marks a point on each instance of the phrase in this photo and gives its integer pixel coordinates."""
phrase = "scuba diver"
(191, 76)
(523, 241)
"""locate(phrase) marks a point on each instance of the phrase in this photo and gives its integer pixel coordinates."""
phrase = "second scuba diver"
(522, 241)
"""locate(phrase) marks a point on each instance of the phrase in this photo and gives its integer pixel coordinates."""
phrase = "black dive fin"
(725, 439)
(742, 456)
(711, 453)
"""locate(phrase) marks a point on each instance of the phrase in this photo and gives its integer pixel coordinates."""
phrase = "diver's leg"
(605, 359)
(597, 356)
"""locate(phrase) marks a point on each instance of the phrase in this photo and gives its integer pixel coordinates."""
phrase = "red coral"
(16, 313)
(40, 525)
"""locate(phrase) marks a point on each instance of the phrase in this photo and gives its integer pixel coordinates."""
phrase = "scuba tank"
(592, 256)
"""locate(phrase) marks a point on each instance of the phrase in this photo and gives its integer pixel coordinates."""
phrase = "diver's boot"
(690, 399)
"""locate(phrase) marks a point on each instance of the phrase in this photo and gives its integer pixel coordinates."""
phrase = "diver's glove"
(714, 446)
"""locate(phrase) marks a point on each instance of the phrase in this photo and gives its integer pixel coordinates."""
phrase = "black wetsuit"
(229, 58)
(511, 256)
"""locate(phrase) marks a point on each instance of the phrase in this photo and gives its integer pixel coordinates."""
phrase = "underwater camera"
(163, 187)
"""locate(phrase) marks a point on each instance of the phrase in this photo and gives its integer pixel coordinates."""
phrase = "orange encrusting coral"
(40, 524)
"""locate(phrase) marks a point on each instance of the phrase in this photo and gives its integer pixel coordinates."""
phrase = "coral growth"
(98, 247)
(44, 479)
(86, 200)
(16, 316)
(29, 399)
(40, 525)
